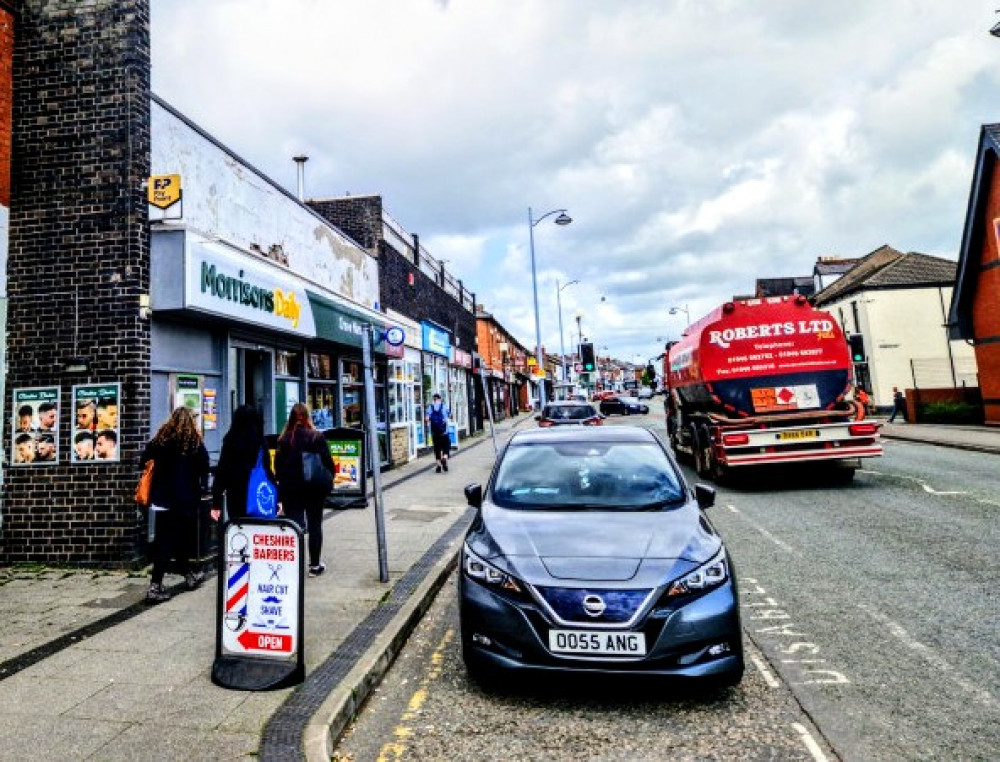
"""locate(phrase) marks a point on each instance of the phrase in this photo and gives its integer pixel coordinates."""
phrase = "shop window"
(320, 366)
(288, 363)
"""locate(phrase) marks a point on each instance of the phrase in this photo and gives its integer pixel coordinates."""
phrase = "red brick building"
(975, 307)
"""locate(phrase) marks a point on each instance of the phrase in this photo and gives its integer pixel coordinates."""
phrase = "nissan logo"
(594, 605)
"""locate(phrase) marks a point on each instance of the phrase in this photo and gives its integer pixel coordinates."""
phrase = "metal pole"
(562, 346)
(489, 412)
(540, 365)
(371, 424)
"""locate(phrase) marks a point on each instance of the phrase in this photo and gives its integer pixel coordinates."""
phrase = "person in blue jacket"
(437, 420)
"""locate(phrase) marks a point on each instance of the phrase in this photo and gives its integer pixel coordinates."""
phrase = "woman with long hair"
(238, 456)
(299, 502)
(179, 472)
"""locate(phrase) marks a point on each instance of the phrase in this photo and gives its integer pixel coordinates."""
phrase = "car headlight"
(705, 577)
(489, 575)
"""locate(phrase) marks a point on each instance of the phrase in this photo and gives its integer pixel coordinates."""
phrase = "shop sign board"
(260, 606)
(234, 285)
(163, 191)
(435, 340)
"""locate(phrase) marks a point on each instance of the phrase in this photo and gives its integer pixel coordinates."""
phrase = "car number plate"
(804, 434)
(589, 642)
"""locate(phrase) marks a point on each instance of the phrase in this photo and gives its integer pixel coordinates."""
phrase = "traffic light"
(857, 343)
(587, 357)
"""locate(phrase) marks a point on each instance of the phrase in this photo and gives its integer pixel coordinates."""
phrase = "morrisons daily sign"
(236, 287)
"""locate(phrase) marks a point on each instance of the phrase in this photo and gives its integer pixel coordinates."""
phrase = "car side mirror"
(704, 494)
(474, 495)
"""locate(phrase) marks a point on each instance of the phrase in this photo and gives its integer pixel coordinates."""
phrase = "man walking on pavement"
(437, 418)
(898, 404)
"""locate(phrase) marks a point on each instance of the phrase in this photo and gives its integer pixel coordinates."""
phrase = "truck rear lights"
(863, 429)
(735, 440)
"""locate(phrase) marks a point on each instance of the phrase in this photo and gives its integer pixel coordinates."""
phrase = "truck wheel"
(843, 476)
(701, 448)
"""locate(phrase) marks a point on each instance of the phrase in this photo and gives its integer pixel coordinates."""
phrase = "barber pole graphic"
(236, 596)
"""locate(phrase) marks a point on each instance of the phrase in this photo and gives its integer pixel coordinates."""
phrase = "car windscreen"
(568, 412)
(583, 475)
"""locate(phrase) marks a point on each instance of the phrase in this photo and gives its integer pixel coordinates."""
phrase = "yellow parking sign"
(163, 191)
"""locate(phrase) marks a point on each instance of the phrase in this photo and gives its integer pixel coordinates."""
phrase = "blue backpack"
(439, 421)
(262, 496)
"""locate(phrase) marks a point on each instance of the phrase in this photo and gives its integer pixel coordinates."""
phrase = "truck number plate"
(616, 643)
(803, 434)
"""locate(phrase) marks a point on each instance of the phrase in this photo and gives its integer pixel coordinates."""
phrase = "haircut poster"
(96, 430)
(36, 426)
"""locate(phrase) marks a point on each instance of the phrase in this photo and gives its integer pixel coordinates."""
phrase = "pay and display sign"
(260, 606)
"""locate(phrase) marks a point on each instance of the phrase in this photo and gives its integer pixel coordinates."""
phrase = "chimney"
(301, 162)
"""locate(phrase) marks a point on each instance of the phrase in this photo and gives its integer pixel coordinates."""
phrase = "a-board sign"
(347, 450)
(260, 606)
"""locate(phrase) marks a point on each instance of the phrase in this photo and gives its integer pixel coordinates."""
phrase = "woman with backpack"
(240, 447)
(437, 419)
(180, 468)
(299, 501)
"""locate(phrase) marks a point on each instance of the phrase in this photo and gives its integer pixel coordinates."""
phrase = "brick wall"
(361, 218)
(79, 259)
(6, 95)
(986, 306)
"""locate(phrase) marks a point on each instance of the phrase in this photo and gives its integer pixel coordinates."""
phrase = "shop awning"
(344, 324)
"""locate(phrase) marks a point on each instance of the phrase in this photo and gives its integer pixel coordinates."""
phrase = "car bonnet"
(540, 546)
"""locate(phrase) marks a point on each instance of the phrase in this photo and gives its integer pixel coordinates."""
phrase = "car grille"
(568, 604)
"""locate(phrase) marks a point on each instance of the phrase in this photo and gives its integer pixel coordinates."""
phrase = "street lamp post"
(562, 219)
(685, 310)
(562, 346)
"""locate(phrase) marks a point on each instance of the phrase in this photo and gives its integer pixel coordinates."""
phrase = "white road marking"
(927, 488)
(765, 672)
(810, 742)
(779, 542)
(981, 695)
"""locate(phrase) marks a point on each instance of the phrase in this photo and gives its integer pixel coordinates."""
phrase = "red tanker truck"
(762, 381)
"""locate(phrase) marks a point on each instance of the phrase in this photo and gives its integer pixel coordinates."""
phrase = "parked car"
(589, 553)
(645, 393)
(574, 413)
(598, 396)
(621, 405)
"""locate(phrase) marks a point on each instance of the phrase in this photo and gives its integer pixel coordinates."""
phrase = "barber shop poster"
(36, 426)
(95, 432)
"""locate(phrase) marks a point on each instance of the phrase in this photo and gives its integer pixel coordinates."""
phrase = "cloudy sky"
(697, 144)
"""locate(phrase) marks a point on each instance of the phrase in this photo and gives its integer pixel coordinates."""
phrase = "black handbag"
(315, 475)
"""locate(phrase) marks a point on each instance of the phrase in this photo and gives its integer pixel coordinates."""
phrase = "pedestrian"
(898, 405)
(861, 396)
(180, 468)
(299, 502)
(240, 447)
(437, 418)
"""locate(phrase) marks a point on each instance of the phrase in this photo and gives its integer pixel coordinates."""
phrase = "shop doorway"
(251, 381)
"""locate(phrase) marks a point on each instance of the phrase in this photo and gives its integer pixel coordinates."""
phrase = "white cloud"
(697, 144)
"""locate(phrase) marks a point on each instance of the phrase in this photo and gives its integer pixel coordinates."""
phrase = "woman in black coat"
(298, 502)
(180, 468)
(237, 459)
